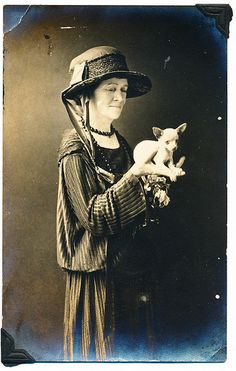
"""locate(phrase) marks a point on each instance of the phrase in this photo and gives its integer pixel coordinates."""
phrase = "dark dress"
(110, 279)
(131, 282)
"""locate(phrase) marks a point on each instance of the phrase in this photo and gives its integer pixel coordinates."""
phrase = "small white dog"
(161, 151)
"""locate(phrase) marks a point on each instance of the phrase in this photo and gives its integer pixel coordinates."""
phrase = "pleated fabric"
(88, 212)
(84, 317)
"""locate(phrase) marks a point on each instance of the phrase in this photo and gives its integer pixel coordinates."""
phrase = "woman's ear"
(157, 132)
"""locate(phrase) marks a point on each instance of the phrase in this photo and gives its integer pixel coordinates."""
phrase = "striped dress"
(95, 222)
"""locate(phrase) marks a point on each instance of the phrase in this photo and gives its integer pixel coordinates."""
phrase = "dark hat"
(101, 63)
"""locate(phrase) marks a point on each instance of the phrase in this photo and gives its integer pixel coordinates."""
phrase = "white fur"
(161, 151)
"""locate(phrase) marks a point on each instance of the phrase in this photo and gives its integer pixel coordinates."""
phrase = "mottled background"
(185, 56)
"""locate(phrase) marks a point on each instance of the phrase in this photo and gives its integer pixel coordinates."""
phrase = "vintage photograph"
(114, 183)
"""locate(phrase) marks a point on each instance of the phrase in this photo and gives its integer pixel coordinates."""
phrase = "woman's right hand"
(145, 169)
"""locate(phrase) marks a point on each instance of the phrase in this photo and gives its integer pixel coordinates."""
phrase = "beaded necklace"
(105, 133)
(102, 154)
(99, 148)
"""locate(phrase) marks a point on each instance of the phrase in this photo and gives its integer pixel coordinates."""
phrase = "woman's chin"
(115, 111)
(115, 115)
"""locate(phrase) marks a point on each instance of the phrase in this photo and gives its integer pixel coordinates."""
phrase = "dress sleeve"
(106, 213)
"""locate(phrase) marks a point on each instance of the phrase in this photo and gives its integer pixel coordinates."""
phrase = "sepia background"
(184, 54)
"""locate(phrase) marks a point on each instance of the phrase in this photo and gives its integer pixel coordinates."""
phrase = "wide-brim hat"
(101, 63)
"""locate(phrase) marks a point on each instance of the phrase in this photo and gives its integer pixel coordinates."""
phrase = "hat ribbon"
(80, 73)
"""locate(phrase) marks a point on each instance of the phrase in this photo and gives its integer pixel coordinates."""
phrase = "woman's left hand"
(140, 170)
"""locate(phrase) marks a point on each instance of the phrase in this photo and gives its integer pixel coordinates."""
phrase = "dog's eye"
(167, 142)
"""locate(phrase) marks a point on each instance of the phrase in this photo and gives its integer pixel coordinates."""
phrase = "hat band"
(106, 64)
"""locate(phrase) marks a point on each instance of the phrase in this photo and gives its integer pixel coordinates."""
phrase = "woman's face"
(108, 99)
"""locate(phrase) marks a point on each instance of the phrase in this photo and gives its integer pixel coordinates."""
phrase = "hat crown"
(92, 54)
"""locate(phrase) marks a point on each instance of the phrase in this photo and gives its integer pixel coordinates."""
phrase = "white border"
(230, 364)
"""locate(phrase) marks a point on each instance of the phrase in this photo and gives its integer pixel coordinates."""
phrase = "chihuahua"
(161, 151)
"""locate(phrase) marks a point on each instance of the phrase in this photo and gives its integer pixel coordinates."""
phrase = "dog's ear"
(181, 128)
(157, 132)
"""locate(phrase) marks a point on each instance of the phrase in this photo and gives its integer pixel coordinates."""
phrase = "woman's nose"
(118, 96)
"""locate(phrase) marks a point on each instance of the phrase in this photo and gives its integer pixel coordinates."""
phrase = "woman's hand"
(151, 169)
(144, 169)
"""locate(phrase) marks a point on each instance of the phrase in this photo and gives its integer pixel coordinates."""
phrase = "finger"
(181, 174)
(162, 196)
(167, 200)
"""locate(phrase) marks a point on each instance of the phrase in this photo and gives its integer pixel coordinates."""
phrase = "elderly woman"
(101, 203)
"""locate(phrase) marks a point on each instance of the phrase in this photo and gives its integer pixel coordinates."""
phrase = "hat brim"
(139, 84)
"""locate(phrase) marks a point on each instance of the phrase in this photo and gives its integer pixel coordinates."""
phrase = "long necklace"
(101, 153)
(105, 133)
(99, 148)
(113, 130)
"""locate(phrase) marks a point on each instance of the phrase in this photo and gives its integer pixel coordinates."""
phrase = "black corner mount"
(221, 12)
(10, 355)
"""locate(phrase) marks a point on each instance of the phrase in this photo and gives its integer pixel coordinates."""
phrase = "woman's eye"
(113, 89)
